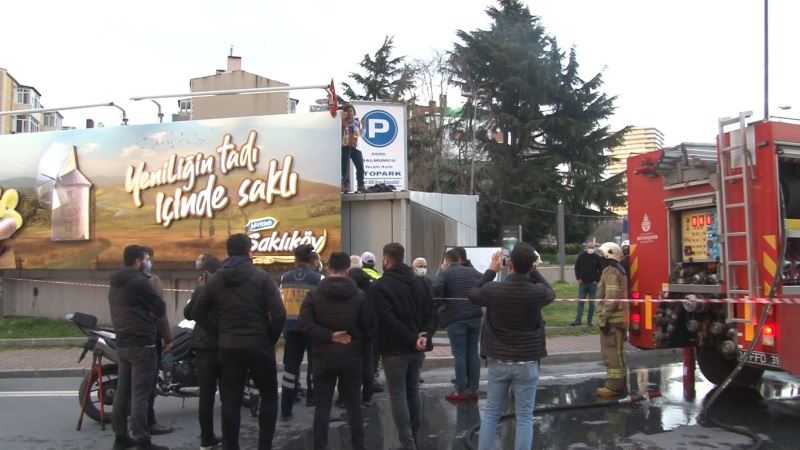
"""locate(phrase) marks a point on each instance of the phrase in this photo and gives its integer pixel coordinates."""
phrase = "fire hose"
(705, 412)
(470, 437)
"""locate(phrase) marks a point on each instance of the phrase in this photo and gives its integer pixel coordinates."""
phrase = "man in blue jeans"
(407, 320)
(463, 320)
(587, 272)
(513, 340)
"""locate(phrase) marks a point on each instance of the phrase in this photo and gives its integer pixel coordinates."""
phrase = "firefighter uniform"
(614, 323)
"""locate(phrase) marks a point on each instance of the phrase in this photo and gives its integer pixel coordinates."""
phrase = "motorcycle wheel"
(92, 407)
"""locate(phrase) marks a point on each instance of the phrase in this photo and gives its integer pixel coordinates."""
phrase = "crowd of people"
(342, 321)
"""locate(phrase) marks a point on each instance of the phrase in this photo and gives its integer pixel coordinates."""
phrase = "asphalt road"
(42, 414)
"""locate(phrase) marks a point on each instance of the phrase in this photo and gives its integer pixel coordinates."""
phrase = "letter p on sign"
(381, 128)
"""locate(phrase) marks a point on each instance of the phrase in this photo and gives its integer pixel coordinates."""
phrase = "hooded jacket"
(514, 329)
(405, 307)
(134, 305)
(248, 304)
(336, 304)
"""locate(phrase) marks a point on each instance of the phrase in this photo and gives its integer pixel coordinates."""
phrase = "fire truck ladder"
(734, 182)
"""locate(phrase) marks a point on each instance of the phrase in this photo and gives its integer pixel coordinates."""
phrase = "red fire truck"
(707, 225)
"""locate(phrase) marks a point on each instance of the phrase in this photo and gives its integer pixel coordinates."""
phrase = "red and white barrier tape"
(72, 283)
(746, 300)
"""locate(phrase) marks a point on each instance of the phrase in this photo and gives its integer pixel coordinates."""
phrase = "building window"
(52, 120)
(25, 124)
(185, 107)
(27, 96)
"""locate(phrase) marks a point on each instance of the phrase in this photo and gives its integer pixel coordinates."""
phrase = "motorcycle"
(177, 376)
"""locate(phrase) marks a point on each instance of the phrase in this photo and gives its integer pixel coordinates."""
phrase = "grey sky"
(677, 65)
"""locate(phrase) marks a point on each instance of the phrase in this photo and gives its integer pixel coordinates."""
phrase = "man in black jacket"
(463, 320)
(335, 315)
(250, 316)
(587, 271)
(135, 307)
(407, 319)
(207, 363)
(513, 340)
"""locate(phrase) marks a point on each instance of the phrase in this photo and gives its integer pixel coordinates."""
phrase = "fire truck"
(708, 226)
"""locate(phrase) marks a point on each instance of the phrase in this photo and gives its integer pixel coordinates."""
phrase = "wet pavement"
(40, 420)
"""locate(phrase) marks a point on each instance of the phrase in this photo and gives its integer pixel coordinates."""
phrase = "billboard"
(383, 143)
(74, 199)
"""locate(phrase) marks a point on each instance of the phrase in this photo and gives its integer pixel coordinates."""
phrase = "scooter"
(177, 376)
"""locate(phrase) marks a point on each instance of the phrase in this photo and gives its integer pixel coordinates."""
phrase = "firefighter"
(613, 320)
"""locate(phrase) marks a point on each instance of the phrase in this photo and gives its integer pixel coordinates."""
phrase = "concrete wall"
(425, 223)
(55, 294)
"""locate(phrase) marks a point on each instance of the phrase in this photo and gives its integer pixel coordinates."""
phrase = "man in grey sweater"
(463, 320)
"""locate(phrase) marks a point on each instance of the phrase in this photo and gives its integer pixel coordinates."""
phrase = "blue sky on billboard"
(677, 65)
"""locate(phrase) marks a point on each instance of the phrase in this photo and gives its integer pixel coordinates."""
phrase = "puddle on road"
(667, 422)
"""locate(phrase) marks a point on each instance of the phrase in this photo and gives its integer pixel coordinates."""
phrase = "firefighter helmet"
(611, 250)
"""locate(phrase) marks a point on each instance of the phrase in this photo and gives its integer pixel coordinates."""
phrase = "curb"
(43, 342)
(633, 357)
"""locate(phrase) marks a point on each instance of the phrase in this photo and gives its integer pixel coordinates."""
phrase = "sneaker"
(457, 396)
(209, 444)
(123, 443)
(605, 391)
(157, 428)
(576, 323)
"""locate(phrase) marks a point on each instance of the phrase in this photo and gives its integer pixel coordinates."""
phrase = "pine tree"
(553, 147)
(385, 78)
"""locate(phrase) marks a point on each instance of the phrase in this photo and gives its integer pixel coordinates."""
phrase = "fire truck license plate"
(763, 359)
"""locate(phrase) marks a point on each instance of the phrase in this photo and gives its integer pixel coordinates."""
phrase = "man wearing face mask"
(420, 266)
(587, 271)
(134, 305)
(163, 334)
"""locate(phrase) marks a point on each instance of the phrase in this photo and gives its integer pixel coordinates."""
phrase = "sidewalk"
(62, 361)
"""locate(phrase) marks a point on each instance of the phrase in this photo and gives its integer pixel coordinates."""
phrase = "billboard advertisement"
(74, 199)
(383, 144)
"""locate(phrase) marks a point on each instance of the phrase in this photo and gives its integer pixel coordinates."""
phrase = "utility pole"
(562, 257)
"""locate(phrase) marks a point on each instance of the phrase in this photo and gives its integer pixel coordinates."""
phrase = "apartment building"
(636, 141)
(233, 77)
(15, 96)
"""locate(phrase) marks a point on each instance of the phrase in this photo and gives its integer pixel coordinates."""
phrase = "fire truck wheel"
(716, 367)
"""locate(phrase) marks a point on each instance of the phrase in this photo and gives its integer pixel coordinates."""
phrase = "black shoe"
(208, 444)
(123, 443)
(378, 387)
(147, 445)
(577, 323)
(157, 428)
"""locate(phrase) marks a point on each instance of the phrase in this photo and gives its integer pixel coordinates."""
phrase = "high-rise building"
(636, 141)
(16, 96)
(220, 106)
